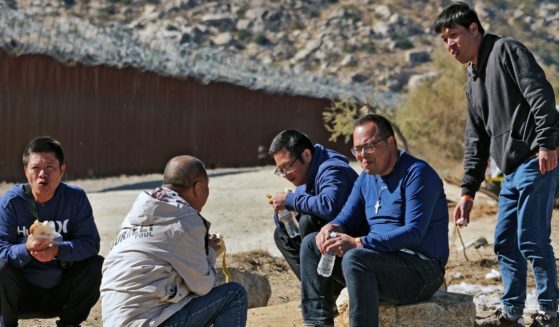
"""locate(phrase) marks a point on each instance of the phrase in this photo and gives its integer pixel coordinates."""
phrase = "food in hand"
(41, 230)
(221, 244)
(462, 222)
(269, 196)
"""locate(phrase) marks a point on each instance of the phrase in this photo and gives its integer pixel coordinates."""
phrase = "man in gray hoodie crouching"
(160, 271)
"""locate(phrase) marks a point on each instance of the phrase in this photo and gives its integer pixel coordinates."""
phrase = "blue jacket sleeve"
(10, 248)
(84, 240)
(421, 187)
(334, 184)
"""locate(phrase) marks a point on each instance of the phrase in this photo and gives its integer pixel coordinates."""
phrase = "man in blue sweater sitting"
(402, 258)
(323, 181)
(57, 273)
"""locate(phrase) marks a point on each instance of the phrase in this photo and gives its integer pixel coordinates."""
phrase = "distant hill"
(382, 43)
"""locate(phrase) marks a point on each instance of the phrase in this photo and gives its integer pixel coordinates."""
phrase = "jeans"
(523, 234)
(224, 306)
(290, 247)
(71, 299)
(370, 277)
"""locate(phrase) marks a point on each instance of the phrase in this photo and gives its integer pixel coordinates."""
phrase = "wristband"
(358, 242)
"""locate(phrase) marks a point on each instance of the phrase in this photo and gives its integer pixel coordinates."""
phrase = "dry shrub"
(433, 115)
(339, 119)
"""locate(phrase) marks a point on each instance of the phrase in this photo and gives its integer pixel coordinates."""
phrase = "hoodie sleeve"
(84, 239)
(10, 249)
(191, 261)
(521, 65)
(334, 183)
(476, 152)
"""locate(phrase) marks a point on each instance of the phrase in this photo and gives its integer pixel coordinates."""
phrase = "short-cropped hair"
(384, 126)
(294, 141)
(457, 13)
(43, 144)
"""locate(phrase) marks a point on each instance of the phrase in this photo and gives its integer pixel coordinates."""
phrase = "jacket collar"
(485, 49)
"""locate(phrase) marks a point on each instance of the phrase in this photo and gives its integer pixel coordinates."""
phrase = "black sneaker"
(541, 319)
(498, 319)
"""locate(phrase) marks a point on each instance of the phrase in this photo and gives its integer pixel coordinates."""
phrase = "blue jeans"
(370, 277)
(523, 234)
(225, 305)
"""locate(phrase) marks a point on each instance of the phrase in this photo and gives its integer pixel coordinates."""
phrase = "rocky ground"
(237, 207)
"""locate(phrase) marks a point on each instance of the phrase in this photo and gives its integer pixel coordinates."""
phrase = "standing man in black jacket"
(512, 117)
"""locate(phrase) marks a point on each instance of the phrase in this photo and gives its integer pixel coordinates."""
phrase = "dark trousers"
(370, 276)
(71, 299)
(289, 247)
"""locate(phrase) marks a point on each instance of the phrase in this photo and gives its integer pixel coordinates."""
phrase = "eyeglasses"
(282, 172)
(368, 148)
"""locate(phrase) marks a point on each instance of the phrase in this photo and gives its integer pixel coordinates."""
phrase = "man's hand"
(324, 234)
(339, 244)
(278, 201)
(34, 244)
(548, 160)
(462, 211)
(47, 254)
(215, 242)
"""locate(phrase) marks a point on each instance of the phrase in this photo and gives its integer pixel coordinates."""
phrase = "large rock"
(257, 286)
(444, 309)
(418, 56)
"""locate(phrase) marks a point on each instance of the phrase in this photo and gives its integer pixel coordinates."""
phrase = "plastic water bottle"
(326, 263)
(288, 219)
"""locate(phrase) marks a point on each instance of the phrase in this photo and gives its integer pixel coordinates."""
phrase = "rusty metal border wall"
(124, 121)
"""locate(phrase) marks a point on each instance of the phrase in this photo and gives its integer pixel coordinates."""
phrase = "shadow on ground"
(155, 183)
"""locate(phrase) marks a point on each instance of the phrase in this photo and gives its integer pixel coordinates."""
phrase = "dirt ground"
(238, 208)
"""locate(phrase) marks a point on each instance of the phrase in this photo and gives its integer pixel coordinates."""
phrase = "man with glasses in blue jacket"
(401, 257)
(323, 180)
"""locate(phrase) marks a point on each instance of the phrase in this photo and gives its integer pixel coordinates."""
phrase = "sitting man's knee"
(240, 289)
(353, 258)
(93, 264)
(309, 242)
(309, 224)
(3, 264)
(5, 269)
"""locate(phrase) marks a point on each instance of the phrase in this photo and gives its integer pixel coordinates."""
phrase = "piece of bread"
(41, 230)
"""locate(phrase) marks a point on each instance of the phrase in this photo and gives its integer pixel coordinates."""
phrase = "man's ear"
(473, 27)
(197, 188)
(62, 169)
(392, 141)
(307, 155)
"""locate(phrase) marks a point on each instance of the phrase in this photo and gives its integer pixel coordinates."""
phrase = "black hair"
(384, 126)
(43, 144)
(457, 13)
(294, 141)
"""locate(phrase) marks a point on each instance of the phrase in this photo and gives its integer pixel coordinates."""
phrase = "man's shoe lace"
(540, 319)
(498, 319)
